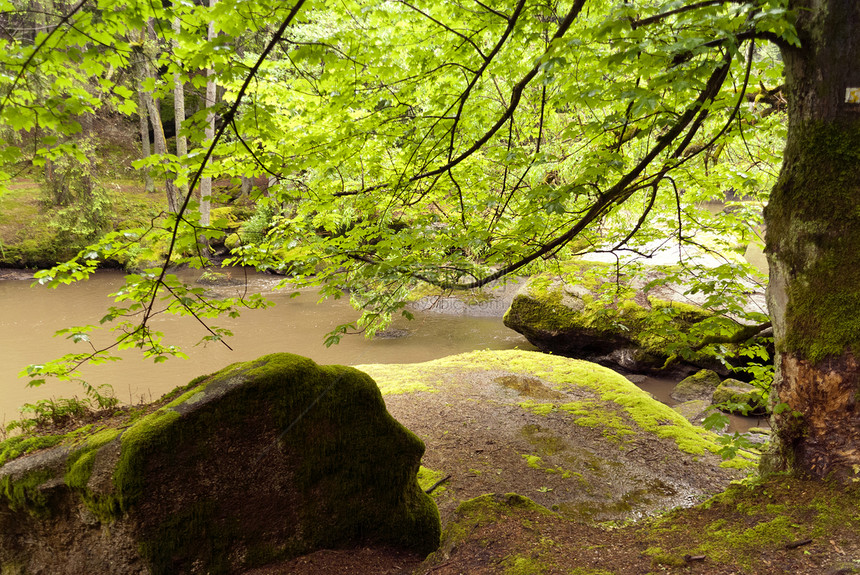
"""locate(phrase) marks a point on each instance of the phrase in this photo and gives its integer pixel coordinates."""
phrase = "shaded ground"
(485, 427)
(478, 432)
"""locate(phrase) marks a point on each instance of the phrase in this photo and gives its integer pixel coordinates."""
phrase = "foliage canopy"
(452, 143)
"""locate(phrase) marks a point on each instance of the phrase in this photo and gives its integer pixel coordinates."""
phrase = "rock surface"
(637, 323)
(694, 410)
(700, 385)
(737, 396)
(575, 437)
(263, 460)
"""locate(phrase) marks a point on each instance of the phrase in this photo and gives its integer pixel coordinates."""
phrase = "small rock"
(694, 410)
(700, 385)
(732, 392)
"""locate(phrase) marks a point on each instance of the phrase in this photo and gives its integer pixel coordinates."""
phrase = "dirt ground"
(592, 500)
(604, 507)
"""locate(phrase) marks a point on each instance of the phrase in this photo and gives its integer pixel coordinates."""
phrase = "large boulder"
(637, 322)
(573, 436)
(263, 460)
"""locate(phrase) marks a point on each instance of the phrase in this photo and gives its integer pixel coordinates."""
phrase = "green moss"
(620, 396)
(813, 220)
(659, 557)
(608, 314)
(523, 565)
(538, 408)
(533, 461)
(487, 509)
(24, 493)
(748, 520)
(136, 441)
(395, 380)
(428, 478)
(595, 414)
(79, 464)
(536, 462)
(19, 445)
(13, 568)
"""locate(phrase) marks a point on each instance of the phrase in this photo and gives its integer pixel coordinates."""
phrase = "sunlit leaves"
(408, 142)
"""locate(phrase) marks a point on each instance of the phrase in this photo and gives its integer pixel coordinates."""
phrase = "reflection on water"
(298, 325)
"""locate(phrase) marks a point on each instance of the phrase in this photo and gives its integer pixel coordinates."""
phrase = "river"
(31, 315)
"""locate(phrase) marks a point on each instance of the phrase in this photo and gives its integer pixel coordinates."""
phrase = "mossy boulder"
(263, 460)
(639, 322)
(574, 436)
(700, 385)
(737, 396)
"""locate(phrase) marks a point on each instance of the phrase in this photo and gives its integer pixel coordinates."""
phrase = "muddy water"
(29, 316)
(661, 389)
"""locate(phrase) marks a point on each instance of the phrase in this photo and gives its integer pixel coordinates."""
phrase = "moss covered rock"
(700, 385)
(574, 436)
(737, 396)
(263, 460)
(638, 322)
(694, 410)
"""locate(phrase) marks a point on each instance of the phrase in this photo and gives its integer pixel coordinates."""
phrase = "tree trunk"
(813, 248)
(173, 199)
(179, 110)
(149, 186)
(209, 133)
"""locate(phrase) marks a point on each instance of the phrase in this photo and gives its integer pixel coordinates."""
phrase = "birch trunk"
(179, 111)
(209, 133)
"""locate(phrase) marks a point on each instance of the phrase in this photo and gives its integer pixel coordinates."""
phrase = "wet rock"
(391, 333)
(211, 278)
(233, 473)
(737, 396)
(490, 301)
(700, 385)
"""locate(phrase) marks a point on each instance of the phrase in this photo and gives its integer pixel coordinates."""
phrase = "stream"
(32, 314)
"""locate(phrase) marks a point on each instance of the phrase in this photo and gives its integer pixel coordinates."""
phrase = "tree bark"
(173, 199)
(179, 110)
(209, 133)
(813, 248)
(149, 186)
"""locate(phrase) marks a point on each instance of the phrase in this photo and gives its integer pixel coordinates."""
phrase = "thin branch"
(488, 9)
(445, 26)
(618, 192)
(688, 8)
(516, 95)
(487, 60)
(228, 118)
(36, 50)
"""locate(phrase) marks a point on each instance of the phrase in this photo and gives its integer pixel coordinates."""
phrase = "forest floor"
(775, 526)
(757, 526)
